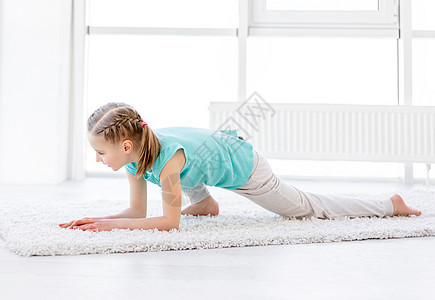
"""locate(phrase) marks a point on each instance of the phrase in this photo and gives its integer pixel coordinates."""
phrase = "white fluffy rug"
(31, 227)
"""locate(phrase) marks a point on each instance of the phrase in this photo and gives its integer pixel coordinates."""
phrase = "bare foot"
(400, 207)
(208, 206)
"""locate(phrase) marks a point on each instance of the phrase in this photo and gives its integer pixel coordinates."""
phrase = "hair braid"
(120, 127)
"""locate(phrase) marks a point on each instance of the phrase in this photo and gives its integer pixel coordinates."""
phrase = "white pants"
(268, 191)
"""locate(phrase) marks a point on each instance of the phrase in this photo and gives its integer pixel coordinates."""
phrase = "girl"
(185, 159)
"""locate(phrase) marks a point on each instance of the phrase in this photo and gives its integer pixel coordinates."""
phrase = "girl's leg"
(268, 191)
(203, 203)
(198, 193)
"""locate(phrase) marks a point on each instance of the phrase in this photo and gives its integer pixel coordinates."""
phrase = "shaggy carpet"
(31, 227)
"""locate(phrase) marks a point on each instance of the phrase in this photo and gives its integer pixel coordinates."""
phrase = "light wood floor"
(373, 269)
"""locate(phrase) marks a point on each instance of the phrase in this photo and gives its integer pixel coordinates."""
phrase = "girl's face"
(113, 155)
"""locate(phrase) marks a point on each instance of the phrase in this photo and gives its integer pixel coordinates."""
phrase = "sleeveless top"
(213, 157)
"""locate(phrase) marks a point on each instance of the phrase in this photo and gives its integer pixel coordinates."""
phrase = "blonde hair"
(117, 121)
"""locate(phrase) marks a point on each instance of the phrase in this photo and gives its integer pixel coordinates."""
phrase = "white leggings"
(268, 191)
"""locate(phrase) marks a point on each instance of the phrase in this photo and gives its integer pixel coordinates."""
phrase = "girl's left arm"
(171, 194)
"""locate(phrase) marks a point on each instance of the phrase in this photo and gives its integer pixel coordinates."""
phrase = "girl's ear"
(127, 146)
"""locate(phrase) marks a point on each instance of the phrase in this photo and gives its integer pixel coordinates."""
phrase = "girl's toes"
(414, 211)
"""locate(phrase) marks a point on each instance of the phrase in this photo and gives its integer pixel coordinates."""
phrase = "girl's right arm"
(138, 203)
(138, 200)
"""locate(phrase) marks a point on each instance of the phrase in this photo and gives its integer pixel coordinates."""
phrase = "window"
(290, 57)
(362, 14)
(423, 53)
(154, 73)
(423, 72)
(423, 14)
(323, 70)
(163, 13)
(323, 5)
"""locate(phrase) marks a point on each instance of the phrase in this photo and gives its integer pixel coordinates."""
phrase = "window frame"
(248, 26)
(385, 17)
(381, 23)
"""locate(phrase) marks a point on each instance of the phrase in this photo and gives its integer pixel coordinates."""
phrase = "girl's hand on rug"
(78, 222)
(98, 225)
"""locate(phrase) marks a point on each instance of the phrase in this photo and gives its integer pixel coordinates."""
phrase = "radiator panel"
(334, 132)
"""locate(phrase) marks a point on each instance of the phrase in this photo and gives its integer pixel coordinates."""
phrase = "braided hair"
(117, 121)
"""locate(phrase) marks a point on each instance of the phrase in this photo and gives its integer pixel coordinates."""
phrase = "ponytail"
(148, 152)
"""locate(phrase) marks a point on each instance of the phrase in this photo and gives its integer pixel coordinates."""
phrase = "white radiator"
(332, 132)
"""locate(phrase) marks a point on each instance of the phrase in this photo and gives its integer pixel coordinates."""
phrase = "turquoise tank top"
(213, 157)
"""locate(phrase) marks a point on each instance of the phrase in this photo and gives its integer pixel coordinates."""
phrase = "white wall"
(34, 90)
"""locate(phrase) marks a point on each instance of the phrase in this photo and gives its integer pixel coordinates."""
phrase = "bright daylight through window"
(185, 71)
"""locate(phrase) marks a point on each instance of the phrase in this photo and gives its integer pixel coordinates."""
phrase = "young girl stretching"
(186, 159)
